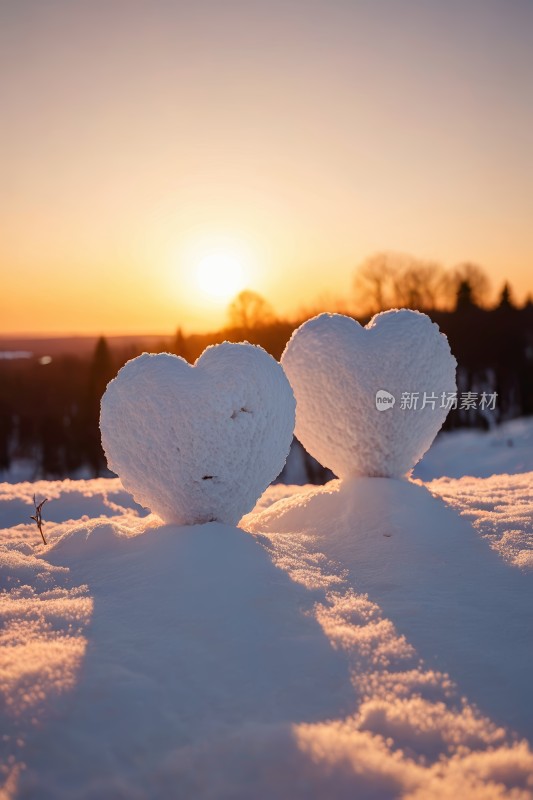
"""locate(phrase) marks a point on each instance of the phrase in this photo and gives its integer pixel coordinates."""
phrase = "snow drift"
(359, 640)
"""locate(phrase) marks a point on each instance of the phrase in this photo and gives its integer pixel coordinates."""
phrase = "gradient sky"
(306, 135)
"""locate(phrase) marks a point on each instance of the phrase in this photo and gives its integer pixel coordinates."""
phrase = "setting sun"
(220, 275)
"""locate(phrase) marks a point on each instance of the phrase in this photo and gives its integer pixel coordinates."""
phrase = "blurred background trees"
(250, 310)
(397, 280)
(471, 279)
(49, 407)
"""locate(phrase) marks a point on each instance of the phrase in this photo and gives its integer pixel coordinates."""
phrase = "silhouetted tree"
(5, 435)
(101, 371)
(506, 300)
(250, 310)
(375, 283)
(422, 285)
(477, 280)
(52, 446)
(396, 280)
(179, 345)
(465, 296)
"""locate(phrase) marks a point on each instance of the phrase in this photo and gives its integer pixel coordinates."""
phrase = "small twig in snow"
(38, 517)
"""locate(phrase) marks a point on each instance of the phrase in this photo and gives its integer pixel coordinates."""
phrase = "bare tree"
(422, 285)
(375, 283)
(395, 280)
(250, 310)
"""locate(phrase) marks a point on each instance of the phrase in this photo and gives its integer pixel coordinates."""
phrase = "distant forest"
(49, 407)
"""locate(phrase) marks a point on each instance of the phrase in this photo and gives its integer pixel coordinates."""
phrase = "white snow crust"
(366, 639)
(201, 443)
(336, 367)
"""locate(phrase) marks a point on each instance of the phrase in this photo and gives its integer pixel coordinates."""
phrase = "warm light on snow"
(218, 433)
(337, 368)
(369, 638)
(357, 639)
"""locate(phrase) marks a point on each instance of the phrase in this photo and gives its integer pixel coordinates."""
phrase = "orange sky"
(298, 137)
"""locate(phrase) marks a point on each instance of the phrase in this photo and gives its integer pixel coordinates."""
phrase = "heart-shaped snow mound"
(353, 386)
(199, 443)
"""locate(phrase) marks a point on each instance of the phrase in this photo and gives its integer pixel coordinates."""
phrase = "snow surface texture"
(360, 639)
(336, 367)
(508, 448)
(198, 444)
(500, 508)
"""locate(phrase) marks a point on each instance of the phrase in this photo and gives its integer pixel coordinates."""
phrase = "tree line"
(49, 412)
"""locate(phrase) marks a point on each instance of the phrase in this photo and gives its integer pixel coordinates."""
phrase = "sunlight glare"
(220, 275)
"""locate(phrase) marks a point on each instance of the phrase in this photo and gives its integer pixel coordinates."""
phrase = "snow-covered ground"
(368, 639)
(507, 448)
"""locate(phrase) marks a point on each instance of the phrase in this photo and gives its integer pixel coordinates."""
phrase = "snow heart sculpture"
(349, 382)
(198, 443)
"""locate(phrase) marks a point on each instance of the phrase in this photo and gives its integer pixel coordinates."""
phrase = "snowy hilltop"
(363, 640)
(368, 638)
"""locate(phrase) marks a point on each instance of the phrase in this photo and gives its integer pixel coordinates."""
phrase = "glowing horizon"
(294, 140)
